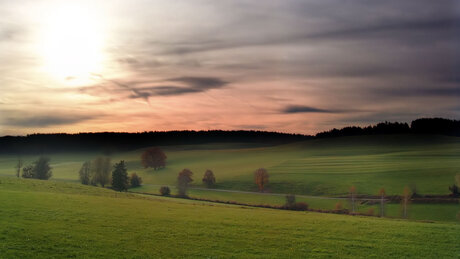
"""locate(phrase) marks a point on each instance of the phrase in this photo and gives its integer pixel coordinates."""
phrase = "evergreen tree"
(120, 177)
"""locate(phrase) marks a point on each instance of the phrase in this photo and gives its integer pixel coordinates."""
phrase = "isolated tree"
(153, 157)
(353, 198)
(120, 177)
(290, 200)
(100, 169)
(405, 200)
(165, 191)
(209, 179)
(135, 180)
(42, 169)
(19, 167)
(27, 172)
(183, 180)
(338, 206)
(85, 173)
(261, 178)
(382, 202)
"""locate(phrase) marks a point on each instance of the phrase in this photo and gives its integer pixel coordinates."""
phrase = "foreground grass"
(50, 219)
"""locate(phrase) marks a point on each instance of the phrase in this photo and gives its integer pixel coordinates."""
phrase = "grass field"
(43, 219)
(320, 167)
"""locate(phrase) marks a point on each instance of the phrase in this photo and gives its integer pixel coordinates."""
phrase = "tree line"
(419, 126)
(108, 142)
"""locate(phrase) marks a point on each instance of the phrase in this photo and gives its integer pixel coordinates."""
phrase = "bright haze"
(290, 66)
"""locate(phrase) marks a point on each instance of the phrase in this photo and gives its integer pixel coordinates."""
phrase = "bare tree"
(101, 170)
(85, 173)
(19, 167)
(183, 180)
(261, 178)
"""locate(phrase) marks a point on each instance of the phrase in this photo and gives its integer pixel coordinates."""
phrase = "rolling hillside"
(45, 218)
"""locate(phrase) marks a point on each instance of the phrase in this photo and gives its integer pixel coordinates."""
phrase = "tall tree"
(183, 180)
(85, 173)
(209, 179)
(19, 167)
(261, 178)
(120, 177)
(101, 168)
(153, 157)
(42, 169)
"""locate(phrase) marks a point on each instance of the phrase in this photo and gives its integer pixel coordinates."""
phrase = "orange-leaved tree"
(405, 200)
(261, 178)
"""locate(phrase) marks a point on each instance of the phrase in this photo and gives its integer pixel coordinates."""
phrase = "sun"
(72, 44)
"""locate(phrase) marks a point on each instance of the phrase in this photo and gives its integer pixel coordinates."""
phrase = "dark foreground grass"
(49, 219)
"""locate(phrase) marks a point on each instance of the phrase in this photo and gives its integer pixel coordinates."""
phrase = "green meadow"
(43, 219)
(317, 167)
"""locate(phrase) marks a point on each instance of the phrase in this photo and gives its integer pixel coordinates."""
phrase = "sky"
(293, 66)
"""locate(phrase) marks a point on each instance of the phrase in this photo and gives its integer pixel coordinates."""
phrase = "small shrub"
(370, 212)
(165, 191)
(338, 206)
(301, 206)
(27, 172)
(135, 180)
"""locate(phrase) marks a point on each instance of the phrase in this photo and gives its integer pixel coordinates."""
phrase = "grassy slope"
(315, 167)
(44, 219)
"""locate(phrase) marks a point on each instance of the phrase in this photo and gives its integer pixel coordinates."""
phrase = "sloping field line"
(273, 194)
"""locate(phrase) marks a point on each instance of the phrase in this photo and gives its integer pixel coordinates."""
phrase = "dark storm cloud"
(307, 109)
(186, 85)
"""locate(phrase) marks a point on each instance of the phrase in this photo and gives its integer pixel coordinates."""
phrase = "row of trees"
(39, 169)
(101, 172)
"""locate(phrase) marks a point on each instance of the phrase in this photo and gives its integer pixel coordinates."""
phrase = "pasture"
(318, 167)
(43, 219)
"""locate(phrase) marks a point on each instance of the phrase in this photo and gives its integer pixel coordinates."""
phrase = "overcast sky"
(290, 66)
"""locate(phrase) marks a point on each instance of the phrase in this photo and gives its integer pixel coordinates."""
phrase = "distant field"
(43, 219)
(315, 167)
(320, 167)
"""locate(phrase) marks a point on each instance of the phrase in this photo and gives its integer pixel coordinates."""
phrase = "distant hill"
(117, 141)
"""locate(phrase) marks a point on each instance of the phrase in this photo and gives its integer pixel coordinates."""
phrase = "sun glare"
(72, 44)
